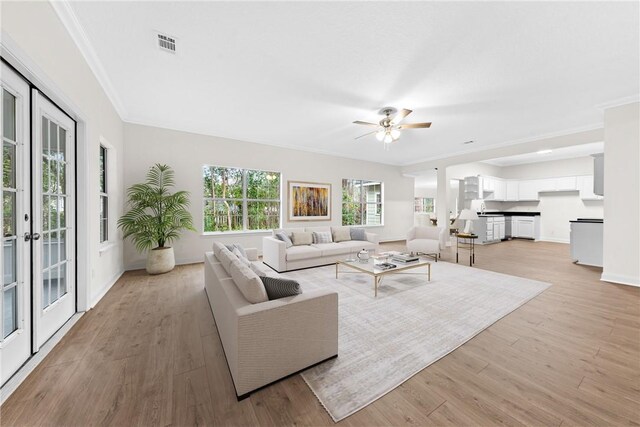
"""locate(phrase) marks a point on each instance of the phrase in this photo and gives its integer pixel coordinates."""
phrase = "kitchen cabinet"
(598, 174)
(585, 187)
(528, 189)
(567, 183)
(511, 191)
(490, 229)
(473, 188)
(524, 227)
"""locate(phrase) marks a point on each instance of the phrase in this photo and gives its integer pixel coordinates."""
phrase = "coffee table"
(371, 268)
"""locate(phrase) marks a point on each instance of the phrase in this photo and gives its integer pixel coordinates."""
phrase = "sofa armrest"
(373, 238)
(274, 253)
(277, 338)
(252, 254)
(411, 234)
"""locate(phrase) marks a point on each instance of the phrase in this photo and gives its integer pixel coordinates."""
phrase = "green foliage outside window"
(240, 199)
(361, 202)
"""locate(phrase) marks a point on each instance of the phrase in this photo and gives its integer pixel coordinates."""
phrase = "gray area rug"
(412, 323)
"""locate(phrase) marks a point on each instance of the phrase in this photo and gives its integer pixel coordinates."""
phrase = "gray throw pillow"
(358, 234)
(283, 236)
(240, 249)
(277, 287)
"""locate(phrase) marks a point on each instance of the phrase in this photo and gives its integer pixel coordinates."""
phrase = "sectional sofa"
(268, 340)
(276, 255)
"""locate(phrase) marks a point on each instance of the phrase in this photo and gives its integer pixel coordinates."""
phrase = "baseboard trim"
(553, 240)
(109, 283)
(620, 279)
(140, 265)
(32, 363)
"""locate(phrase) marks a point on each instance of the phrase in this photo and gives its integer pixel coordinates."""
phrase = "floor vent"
(166, 43)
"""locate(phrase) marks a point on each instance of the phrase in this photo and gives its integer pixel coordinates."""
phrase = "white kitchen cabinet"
(499, 190)
(511, 191)
(585, 187)
(545, 185)
(473, 188)
(566, 183)
(528, 189)
(524, 227)
(499, 228)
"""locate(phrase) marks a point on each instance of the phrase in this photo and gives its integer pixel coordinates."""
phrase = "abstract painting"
(309, 201)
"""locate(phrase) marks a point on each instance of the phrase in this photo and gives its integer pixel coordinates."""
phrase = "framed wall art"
(309, 201)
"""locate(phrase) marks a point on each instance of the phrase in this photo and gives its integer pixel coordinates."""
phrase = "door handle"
(34, 236)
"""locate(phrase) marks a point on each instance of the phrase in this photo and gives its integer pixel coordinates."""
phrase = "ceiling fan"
(388, 129)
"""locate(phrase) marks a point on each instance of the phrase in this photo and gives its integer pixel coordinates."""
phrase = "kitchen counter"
(507, 213)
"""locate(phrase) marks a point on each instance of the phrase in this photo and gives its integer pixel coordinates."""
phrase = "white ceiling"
(297, 74)
(555, 154)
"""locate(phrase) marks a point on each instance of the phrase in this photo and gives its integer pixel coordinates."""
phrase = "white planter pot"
(160, 260)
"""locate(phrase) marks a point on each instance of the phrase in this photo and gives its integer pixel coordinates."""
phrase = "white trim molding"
(70, 21)
(619, 102)
(620, 279)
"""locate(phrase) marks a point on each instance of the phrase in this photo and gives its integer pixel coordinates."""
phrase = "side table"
(466, 241)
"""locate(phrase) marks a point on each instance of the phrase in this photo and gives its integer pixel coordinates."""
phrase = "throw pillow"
(283, 236)
(341, 235)
(358, 234)
(278, 287)
(217, 246)
(322, 237)
(248, 283)
(240, 249)
(226, 258)
(241, 257)
(303, 238)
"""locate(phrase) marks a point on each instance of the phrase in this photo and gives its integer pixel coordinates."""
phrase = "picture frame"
(309, 201)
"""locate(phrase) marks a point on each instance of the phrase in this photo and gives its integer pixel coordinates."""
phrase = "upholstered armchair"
(426, 240)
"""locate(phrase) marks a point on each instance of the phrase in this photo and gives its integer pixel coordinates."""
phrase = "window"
(104, 197)
(240, 199)
(361, 202)
(425, 204)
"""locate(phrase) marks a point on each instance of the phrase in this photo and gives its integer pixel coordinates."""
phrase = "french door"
(38, 234)
(15, 339)
(53, 239)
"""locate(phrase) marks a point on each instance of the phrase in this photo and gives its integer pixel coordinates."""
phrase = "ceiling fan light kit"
(389, 127)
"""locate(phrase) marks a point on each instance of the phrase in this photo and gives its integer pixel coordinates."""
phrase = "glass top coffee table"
(372, 267)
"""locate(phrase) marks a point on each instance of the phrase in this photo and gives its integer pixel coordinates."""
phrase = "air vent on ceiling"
(469, 142)
(167, 43)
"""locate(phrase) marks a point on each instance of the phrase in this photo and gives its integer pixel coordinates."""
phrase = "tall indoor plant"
(156, 217)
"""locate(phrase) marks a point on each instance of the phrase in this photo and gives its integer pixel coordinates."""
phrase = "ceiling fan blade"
(400, 116)
(415, 125)
(358, 122)
(366, 134)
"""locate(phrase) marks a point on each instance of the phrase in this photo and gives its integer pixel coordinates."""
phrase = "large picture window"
(240, 199)
(361, 202)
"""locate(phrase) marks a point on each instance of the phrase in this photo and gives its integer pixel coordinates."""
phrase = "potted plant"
(156, 218)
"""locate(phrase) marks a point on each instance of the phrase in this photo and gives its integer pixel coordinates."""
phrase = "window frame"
(243, 200)
(364, 202)
(419, 205)
(103, 191)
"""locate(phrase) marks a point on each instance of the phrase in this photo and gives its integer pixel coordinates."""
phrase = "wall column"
(442, 199)
(621, 245)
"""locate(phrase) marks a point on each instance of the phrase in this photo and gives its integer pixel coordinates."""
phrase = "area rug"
(412, 323)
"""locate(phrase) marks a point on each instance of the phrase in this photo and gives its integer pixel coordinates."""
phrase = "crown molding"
(70, 21)
(618, 102)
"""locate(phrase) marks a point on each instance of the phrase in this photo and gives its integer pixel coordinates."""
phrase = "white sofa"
(267, 341)
(277, 256)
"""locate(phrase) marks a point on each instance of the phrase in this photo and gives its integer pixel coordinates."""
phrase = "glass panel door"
(54, 281)
(15, 292)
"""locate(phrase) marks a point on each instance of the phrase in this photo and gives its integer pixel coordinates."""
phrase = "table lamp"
(468, 215)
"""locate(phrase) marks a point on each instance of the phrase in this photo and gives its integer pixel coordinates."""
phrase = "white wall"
(40, 37)
(552, 168)
(188, 152)
(622, 194)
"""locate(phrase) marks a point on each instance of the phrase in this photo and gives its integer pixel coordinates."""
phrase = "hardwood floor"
(149, 354)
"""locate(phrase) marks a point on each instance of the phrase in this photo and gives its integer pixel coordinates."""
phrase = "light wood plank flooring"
(149, 354)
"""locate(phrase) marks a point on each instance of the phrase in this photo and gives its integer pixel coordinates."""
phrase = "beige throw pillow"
(248, 283)
(341, 235)
(226, 258)
(303, 238)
